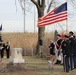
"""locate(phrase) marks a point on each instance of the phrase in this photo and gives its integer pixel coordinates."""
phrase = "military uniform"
(52, 48)
(74, 54)
(66, 54)
(2, 51)
(8, 49)
(71, 39)
(58, 55)
(1, 48)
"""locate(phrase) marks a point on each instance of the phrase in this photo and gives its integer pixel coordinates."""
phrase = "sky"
(12, 20)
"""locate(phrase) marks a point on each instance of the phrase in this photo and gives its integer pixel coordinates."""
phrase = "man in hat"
(71, 39)
(66, 53)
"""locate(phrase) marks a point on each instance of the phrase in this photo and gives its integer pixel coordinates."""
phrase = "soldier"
(2, 51)
(71, 39)
(74, 53)
(61, 49)
(52, 52)
(52, 48)
(58, 47)
(66, 53)
(8, 49)
(1, 42)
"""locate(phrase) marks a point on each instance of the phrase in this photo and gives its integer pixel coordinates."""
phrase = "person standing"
(8, 49)
(52, 48)
(2, 50)
(66, 53)
(1, 42)
(58, 49)
(61, 49)
(52, 52)
(71, 39)
(74, 53)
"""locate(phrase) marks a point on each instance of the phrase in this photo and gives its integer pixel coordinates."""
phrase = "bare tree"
(40, 4)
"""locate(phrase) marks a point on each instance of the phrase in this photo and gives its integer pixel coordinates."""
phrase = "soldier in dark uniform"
(8, 50)
(1, 42)
(58, 46)
(52, 48)
(71, 39)
(2, 51)
(66, 53)
(74, 53)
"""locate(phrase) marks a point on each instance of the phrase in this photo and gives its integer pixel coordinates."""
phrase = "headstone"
(16, 56)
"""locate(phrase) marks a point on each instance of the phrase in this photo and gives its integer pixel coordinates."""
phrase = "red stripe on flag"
(50, 13)
(50, 16)
(54, 18)
(52, 22)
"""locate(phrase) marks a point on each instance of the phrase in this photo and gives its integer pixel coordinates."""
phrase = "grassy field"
(34, 66)
(27, 41)
(38, 66)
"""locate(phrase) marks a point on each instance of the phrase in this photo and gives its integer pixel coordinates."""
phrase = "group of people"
(4, 47)
(65, 51)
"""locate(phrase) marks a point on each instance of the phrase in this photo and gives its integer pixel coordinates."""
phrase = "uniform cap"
(66, 36)
(71, 32)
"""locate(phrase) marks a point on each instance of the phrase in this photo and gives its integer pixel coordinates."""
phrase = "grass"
(38, 66)
(34, 66)
(27, 41)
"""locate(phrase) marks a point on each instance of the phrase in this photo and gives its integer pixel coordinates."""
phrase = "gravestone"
(16, 62)
(16, 56)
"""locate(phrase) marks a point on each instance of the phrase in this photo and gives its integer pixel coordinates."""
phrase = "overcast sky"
(12, 20)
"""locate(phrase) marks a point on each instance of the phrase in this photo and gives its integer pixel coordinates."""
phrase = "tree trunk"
(41, 34)
(40, 4)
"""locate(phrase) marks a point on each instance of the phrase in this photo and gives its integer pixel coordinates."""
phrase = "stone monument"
(16, 56)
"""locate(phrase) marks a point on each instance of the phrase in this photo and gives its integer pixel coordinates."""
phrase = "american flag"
(56, 15)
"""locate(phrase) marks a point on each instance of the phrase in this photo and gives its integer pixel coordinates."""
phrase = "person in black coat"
(1, 42)
(58, 47)
(8, 49)
(2, 51)
(66, 52)
(52, 52)
(52, 48)
(71, 39)
(74, 53)
(66, 46)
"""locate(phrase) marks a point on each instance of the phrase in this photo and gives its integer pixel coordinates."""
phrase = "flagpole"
(67, 25)
(67, 19)
(24, 16)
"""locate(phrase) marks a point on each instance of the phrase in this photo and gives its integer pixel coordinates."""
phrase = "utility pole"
(24, 16)
(34, 19)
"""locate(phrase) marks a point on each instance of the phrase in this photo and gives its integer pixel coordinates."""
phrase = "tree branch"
(50, 5)
(36, 3)
(39, 2)
(43, 4)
